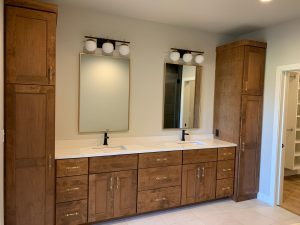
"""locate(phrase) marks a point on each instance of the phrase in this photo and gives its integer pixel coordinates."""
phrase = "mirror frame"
(199, 72)
(129, 95)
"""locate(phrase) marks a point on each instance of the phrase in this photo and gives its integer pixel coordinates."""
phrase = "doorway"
(289, 185)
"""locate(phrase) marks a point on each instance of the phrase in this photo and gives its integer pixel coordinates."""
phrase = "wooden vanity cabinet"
(239, 91)
(112, 194)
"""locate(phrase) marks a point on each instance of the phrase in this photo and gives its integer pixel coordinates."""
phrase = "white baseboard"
(265, 198)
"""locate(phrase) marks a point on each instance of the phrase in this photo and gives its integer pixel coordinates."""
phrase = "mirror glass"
(104, 93)
(182, 85)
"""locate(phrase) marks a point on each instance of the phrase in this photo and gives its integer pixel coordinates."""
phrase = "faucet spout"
(106, 137)
(183, 134)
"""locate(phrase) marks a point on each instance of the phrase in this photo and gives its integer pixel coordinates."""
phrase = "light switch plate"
(2, 136)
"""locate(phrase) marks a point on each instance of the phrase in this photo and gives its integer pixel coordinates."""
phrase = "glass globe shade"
(90, 45)
(199, 59)
(107, 47)
(124, 49)
(187, 57)
(174, 56)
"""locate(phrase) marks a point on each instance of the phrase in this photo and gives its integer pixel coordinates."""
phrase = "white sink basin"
(105, 148)
(190, 143)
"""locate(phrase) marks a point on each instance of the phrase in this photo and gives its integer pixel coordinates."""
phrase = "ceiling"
(219, 16)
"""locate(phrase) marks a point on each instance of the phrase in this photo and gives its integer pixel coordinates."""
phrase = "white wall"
(1, 110)
(150, 44)
(283, 49)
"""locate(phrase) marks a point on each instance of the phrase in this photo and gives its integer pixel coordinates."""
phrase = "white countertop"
(73, 149)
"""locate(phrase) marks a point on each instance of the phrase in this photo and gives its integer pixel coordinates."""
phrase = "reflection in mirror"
(104, 93)
(182, 96)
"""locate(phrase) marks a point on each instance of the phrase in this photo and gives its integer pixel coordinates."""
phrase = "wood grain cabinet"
(239, 85)
(30, 33)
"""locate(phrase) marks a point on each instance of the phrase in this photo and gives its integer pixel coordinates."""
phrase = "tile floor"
(222, 212)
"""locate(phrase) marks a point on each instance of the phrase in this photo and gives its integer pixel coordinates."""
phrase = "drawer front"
(158, 199)
(113, 163)
(225, 169)
(198, 156)
(71, 188)
(150, 160)
(226, 153)
(159, 177)
(224, 188)
(71, 213)
(71, 167)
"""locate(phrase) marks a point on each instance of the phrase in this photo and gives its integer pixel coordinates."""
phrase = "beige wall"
(150, 44)
(283, 49)
(1, 110)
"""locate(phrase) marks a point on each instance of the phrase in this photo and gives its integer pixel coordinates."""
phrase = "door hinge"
(2, 134)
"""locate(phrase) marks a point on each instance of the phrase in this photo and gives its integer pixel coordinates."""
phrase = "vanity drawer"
(224, 188)
(159, 177)
(71, 213)
(226, 153)
(225, 169)
(71, 188)
(113, 163)
(201, 155)
(149, 160)
(158, 199)
(71, 167)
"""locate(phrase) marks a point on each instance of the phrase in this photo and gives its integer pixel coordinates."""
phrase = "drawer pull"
(111, 183)
(203, 171)
(198, 173)
(161, 160)
(160, 199)
(72, 168)
(72, 214)
(227, 153)
(226, 170)
(161, 178)
(118, 182)
(73, 189)
(226, 188)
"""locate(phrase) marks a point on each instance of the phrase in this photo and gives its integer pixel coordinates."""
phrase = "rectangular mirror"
(182, 85)
(104, 93)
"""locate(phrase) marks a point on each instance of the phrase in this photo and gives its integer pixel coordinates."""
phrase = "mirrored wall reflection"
(182, 85)
(104, 93)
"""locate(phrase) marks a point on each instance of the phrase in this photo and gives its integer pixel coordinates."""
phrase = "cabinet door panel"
(100, 197)
(254, 70)
(125, 193)
(190, 175)
(249, 154)
(29, 155)
(30, 46)
(207, 186)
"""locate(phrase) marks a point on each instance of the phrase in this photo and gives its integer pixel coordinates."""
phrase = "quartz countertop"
(91, 149)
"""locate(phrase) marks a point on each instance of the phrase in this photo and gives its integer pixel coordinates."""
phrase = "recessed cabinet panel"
(30, 31)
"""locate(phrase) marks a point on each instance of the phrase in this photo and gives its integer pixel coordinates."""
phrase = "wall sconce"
(107, 45)
(186, 55)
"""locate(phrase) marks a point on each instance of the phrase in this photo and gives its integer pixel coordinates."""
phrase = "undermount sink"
(190, 142)
(109, 147)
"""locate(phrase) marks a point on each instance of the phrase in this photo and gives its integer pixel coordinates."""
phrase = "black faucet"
(183, 134)
(105, 139)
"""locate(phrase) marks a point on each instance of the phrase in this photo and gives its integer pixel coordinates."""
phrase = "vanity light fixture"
(186, 55)
(107, 45)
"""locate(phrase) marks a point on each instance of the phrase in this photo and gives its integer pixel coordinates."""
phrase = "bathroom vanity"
(97, 183)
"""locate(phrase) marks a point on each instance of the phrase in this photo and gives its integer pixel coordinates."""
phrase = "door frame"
(278, 129)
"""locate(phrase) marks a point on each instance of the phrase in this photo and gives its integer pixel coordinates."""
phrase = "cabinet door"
(254, 70)
(207, 182)
(125, 193)
(101, 194)
(30, 46)
(190, 183)
(29, 155)
(249, 152)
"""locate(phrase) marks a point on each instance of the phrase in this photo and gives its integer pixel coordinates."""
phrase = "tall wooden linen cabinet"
(239, 83)
(30, 34)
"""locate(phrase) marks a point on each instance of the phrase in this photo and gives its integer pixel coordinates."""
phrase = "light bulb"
(174, 56)
(90, 45)
(124, 49)
(107, 47)
(199, 59)
(187, 57)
